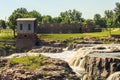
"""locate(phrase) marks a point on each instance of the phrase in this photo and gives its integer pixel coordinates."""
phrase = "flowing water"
(114, 76)
(66, 55)
(117, 54)
(76, 59)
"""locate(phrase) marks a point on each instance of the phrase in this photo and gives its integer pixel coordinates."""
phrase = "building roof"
(26, 19)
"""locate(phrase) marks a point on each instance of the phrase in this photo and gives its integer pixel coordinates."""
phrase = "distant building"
(26, 33)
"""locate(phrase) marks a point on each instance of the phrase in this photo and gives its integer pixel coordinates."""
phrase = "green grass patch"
(6, 34)
(104, 33)
(30, 62)
(49, 37)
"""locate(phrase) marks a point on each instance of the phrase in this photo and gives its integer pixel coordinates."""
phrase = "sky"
(88, 8)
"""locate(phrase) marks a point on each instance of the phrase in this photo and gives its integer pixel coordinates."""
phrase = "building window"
(29, 27)
(21, 26)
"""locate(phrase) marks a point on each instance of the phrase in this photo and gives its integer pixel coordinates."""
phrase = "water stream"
(66, 55)
(76, 59)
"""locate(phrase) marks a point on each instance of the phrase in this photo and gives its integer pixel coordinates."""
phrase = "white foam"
(66, 55)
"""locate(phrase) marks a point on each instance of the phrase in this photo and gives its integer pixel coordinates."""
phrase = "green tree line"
(111, 18)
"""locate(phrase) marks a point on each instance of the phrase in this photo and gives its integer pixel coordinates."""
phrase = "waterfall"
(82, 62)
(78, 61)
(114, 76)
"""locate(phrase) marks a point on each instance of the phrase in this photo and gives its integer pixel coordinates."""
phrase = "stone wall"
(25, 41)
(65, 28)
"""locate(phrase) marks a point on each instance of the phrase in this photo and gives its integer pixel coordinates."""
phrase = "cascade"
(114, 76)
(78, 61)
(90, 63)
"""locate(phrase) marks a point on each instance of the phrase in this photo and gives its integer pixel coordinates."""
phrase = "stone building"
(26, 33)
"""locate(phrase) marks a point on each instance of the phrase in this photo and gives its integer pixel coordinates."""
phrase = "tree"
(109, 15)
(57, 20)
(46, 19)
(99, 21)
(71, 16)
(35, 14)
(97, 18)
(117, 8)
(2, 24)
(117, 14)
(19, 13)
(12, 21)
(88, 21)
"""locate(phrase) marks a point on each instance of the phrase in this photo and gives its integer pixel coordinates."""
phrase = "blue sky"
(54, 7)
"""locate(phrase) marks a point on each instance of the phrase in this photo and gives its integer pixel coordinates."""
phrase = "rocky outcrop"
(99, 68)
(97, 62)
(55, 70)
(106, 48)
(78, 45)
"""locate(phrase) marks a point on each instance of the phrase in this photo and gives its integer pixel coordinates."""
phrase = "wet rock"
(55, 70)
(101, 67)
(97, 62)
(106, 49)
(77, 45)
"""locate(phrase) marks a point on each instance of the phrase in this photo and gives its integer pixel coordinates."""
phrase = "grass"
(6, 34)
(49, 37)
(30, 62)
(6, 40)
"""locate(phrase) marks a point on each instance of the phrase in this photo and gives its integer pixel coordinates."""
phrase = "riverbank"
(82, 59)
(29, 67)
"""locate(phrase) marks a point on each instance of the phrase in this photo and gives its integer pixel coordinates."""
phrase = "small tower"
(26, 33)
